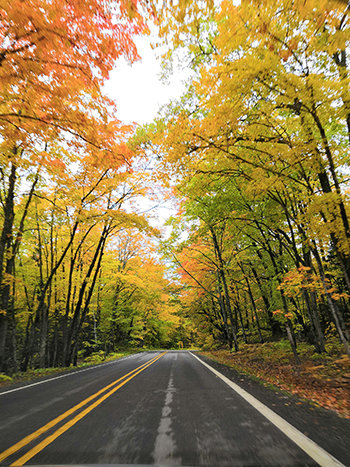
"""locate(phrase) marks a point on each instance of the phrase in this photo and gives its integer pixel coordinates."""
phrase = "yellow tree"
(137, 307)
(55, 57)
(269, 105)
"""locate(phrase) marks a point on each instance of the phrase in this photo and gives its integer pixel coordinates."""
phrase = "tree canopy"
(255, 156)
(258, 149)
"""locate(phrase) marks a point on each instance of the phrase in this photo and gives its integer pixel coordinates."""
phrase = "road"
(154, 408)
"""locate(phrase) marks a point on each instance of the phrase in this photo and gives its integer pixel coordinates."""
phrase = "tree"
(268, 108)
(54, 60)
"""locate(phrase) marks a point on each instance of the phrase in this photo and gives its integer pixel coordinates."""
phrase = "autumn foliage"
(258, 150)
(69, 186)
(256, 153)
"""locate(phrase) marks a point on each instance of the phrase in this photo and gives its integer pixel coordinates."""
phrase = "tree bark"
(332, 305)
(254, 307)
(5, 270)
(224, 282)
(73, 332)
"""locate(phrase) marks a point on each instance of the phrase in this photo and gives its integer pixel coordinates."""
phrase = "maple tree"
(137, 306)
(267, 113)
(66, 170)
(67, 284)
(256, 151)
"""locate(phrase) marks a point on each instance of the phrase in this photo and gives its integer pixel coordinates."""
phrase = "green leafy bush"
(4, 377)
(96, 357)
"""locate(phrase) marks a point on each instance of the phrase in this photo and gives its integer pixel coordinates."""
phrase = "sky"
(137, 89)
(138, 93)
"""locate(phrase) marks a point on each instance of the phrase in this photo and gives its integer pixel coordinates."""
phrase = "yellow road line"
(16, 447)
(39, 447)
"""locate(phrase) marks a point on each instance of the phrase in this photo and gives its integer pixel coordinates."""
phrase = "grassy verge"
(322, 378)
(31, 374)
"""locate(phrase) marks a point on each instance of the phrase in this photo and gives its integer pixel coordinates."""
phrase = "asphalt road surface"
(154, 408)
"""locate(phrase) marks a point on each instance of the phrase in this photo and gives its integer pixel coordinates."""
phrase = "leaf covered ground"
(323, 379)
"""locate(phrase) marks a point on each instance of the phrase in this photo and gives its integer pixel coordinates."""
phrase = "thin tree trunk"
(65, 330)
(55, 347)
(237, 307)
(27, 349)
(332, 305)
(224, 283)
(274, 325)
(288, 324)
(74, 328)
(88, 298)
(5, 243)
(291, 339)
(223, 311)
(43, 335)
(254, 307)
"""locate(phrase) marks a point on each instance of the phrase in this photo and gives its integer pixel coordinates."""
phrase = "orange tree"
(55, 57)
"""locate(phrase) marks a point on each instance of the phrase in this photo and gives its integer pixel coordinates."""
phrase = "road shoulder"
(324, 427)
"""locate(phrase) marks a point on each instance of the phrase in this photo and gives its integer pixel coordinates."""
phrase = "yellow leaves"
(298, 279)
(53, 164)
(302, 278)
(169, 314)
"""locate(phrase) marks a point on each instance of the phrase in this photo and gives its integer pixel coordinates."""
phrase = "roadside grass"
(93, 359)
(323, 379)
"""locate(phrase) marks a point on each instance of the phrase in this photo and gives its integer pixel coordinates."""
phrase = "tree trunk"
(238, 309)
(332, 304)
(43, 335)
(221, 271)
(291, 339)
(28, 345)
(288, 324)
(223, 311)
(73, 333)
(274, 325)
(5, 244)
(65, 330)
(254, 307)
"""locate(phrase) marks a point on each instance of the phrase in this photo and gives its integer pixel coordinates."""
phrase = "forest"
(254, 158)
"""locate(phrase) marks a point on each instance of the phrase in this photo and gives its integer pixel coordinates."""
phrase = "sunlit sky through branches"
(138, 90)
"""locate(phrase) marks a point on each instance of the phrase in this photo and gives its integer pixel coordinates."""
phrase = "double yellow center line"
(39, 447)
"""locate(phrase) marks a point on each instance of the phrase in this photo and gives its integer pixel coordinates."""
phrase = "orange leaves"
(285, 54)
(54, 58)
(300, 278)
(53, 164)
(338, 296)
(277, 312)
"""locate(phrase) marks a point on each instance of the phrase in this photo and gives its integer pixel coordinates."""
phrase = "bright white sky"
(138, 93)
(137, 89)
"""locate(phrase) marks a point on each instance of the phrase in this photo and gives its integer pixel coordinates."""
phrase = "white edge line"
(322, 457)
(70, 374)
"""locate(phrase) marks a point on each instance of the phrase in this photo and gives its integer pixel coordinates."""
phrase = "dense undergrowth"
(323, 379)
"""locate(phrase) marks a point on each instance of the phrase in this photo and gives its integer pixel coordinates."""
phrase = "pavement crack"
(165, 446)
